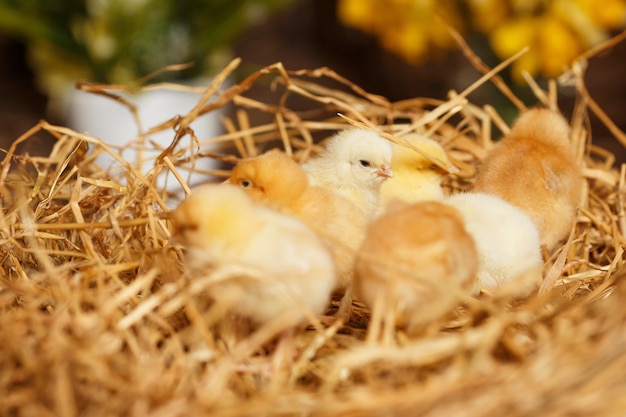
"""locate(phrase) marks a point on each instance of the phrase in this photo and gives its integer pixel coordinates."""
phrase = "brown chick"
(280, 182)
(534, 168)
(416, 258)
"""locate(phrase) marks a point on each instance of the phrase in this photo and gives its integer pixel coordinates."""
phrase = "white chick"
(416, 257)
(534, 168)
(354, 164)
(293, 270)
(507, 240)
(415, 177)
(278, 181)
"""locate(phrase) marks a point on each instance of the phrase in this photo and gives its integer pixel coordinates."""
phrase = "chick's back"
(507, 241)
(535, 168)
(416, 257)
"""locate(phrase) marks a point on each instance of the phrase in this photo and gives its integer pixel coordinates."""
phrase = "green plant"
(121, 41)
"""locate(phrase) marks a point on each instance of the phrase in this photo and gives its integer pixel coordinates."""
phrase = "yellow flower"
(579, 22)
(553, 44)
(527, 6)
(408, 41)
(610, 14)
(556, 31)
(510, 38)
(486, 15)
(357, 13)
(408, 28)
(558, 45)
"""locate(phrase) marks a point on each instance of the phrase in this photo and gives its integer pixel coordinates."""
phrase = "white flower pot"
(113, 123)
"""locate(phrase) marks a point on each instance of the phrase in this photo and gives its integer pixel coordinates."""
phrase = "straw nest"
(99, 319)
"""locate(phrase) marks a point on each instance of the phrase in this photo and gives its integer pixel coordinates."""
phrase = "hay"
(99, 318)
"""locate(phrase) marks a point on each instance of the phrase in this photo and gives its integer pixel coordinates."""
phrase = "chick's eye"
(364, 163)
(245, 184)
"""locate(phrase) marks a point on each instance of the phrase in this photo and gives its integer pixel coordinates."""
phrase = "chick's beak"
(385, 171)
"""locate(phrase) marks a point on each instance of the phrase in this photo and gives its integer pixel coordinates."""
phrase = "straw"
(99, 316)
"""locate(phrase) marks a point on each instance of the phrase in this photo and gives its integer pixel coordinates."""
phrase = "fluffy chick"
(535, 169)
(277, 180)
(354, 163)
(416, 178)
(415, 257)
(507, 241)
(293, 270)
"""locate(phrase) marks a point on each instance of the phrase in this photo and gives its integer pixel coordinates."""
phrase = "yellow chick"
(277, 180)
(415, 177)
(354, 164)
(507, 241)
(534, 168)
(293, 271)
(416, 258)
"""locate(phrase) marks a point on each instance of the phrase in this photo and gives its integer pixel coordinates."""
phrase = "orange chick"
(416, 258)
(416, 178)
(277, 180)
(534, 168)
(354, 163)
(283, 269)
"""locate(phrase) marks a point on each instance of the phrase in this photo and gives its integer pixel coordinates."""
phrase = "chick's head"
(411, 160)
(272, 177)
(543, 125)
(361, 155)
(212, 218)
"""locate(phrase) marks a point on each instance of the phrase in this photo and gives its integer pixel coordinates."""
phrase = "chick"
(292, 270)
(415, 178)
(534, 168)
(507, 241)
(355, 163)
(277, 180)
(415, 257)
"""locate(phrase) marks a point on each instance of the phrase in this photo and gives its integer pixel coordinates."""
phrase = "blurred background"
(396, 48)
